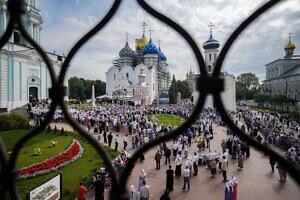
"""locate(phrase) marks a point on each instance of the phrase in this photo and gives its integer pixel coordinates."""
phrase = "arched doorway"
(33, 93)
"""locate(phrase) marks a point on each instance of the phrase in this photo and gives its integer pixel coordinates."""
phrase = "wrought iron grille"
(206, 84)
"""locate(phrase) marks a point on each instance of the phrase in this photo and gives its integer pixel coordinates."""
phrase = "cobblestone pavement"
(255, 181)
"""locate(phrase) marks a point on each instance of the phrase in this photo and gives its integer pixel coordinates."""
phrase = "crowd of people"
(130, 125)
(277, 130)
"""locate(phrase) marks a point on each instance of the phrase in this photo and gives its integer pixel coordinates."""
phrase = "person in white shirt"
(186, 178)
(125, 141)
(133, 193)
(195, 164)
(175, 148)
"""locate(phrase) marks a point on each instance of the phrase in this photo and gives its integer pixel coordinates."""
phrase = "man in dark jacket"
(99, 187)
(109, 137)
(167, 155)
(157, 159)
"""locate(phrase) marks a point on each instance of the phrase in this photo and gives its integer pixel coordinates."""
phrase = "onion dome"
(141, 43)
(211, 43)
(162, 56)
(127, 52)
(290, 46)
(150, 48)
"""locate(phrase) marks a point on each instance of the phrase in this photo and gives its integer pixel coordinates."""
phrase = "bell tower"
(211, 50)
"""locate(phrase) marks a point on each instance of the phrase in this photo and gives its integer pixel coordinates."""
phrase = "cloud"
(259, 44)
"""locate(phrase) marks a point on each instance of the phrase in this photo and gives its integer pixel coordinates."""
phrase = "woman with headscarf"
(178, 163)
(133, 193)
(142, 177)
(228, 191)
(234, 188)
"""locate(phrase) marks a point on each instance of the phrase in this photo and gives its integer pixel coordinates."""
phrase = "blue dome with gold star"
(126, 51)
(211, 43)
(150, 48)
(162, 56)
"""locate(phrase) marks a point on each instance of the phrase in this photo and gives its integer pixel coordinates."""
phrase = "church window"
(153, 86)
(127, 75)
(209, 57)
(114, 76)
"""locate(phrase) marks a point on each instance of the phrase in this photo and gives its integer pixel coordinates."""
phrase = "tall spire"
(144, 27)
(211, 27)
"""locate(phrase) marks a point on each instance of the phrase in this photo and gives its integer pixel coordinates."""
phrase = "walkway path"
(255, 181)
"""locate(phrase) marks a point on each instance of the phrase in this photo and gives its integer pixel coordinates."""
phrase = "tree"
(173, 91)
(183, 88)
(247, 86)
(81, 89)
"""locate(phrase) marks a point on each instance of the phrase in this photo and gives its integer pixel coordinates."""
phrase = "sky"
(65, 22)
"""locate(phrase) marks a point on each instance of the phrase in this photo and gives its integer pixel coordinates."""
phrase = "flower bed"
(72, 153)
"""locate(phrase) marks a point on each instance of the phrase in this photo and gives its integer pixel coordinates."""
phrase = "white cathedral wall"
(229, 96)
(111, 83)
(124, 81)
(3, 80)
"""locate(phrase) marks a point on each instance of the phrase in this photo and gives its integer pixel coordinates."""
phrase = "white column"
(93, 95)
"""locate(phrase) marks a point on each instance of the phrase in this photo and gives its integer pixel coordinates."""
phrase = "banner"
(51, 190)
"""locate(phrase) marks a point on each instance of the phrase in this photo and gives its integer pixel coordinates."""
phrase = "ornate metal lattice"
(214, 85)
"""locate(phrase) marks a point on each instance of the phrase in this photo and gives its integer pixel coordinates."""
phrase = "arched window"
(209, 57)
(114, 76)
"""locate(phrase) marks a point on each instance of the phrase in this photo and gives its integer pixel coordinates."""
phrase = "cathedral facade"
(228, 96)
(23, 74)
(142, 75)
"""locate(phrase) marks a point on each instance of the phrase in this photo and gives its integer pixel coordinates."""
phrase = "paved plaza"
(255, 181)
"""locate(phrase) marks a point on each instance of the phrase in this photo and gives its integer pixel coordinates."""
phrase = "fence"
(207, 84)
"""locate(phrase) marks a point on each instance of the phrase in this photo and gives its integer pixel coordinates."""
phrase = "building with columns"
(143, 71)
(211, 52)
(23, 74)
(283, 74)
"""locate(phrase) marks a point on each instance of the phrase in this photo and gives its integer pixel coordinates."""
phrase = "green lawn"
(167, 120)
(80, 170)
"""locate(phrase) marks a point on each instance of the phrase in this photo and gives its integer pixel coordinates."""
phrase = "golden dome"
(290, 46)
(141, 43)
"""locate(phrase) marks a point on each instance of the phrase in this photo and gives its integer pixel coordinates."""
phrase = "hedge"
(13, 121)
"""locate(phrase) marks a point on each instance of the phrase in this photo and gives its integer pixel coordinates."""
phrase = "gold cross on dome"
(211, 27)
(290, 35)
(126, 35)
(150, 31)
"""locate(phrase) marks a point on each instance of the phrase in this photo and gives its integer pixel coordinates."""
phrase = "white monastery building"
(283, 74)
(23, 74)
(211, 52)
(142, 75)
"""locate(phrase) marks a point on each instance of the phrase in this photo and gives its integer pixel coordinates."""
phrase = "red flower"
(56, 161)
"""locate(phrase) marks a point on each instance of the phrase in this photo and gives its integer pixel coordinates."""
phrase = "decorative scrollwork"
(119, 184)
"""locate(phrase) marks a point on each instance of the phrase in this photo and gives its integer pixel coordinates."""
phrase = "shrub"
(13, 121)
(62, 131)
(48, 129)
